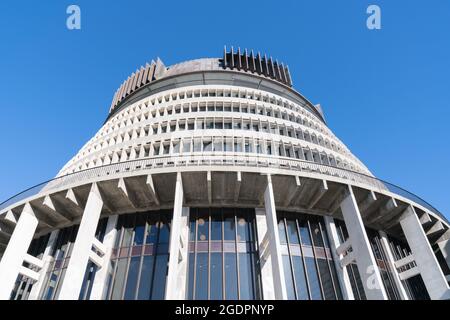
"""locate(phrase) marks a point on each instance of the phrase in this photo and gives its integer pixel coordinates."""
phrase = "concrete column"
(264, 255)
(100, 284)
(362, 250)
(390, 257)
(424, 257)
(274, 243)
(177, 270)
(47, 259)
(16, 250)
(343, 278)
(79, 258)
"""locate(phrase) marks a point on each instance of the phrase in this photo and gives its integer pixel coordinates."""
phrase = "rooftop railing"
(134, 166)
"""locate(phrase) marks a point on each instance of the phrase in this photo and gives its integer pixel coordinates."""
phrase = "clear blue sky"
(385, 93)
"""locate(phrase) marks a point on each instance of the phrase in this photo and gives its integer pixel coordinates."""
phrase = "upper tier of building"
(230, 69)
(239, 105)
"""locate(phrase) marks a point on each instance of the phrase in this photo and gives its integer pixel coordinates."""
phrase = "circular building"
(215, 179)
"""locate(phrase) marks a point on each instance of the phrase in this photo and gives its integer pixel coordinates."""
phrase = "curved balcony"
(262, 164)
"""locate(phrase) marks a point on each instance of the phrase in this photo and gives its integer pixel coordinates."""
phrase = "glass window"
(216, 228)
(282, 231)
(231, 288)
(145, 283)
(186, 146)
(216, 276)
(229, 228)
(225, 264)
(202, 228)
(288, 277)
(140, 268)
(313, 279)
(307, 264)
(207, 146)
(133, 272)
(201, 285)
(292, 231)
(300, 279)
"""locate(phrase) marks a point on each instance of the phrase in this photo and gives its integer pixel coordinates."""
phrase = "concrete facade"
(247, 140)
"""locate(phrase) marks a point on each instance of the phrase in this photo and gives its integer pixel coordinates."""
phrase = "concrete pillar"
(424, 257)
(264, 255)
(47, 259)
(99, 287)
(362, 250)
(178, 245)
(79, 258)
(343, 278)
(274, 243)
(16, 250)
(391, 261)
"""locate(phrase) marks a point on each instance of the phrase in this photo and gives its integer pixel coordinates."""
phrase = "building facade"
(215, 179)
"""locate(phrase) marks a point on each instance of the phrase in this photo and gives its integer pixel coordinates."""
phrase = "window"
(176, 147)
(207, 145)
(140, 256)
(186, 145)
(307, 261)
(223, 255)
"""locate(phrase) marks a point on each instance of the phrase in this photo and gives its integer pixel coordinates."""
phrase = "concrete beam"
(425, 218)
(72, 197)
(293, 192)
(99, 287)
(392, 265)
(320, 192)
(437, 227)
(6, 229)
(31, 274)
(46, 259)
(73, 280)
(264, 254)
(405, 275)
(362, 250)
(122, 186)
(444, 237)
(152, 190)
(44, 217)
(237, 189)
(177, 266)
(384, 211)
(49, 204)
(424, 256)
(404, 261)
(341, 272)
(367, 202)
(208, 182)
(344, 247)
(10, 218)
(347, 259)
(274, 242)
(33, 261)
(16, 250)
(339, 197)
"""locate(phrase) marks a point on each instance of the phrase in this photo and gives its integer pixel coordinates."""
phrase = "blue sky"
(385, 93)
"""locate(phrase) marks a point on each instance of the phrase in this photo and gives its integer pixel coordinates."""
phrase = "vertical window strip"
(308, 267)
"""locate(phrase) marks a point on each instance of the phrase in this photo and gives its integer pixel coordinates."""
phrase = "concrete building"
(215, 179)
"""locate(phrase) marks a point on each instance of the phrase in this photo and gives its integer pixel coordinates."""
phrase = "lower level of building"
(226, 260)
(224, 252)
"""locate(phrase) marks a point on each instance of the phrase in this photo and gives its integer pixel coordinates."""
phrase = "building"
(215, 179)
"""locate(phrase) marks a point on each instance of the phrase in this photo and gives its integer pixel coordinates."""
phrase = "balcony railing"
(200, 161)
